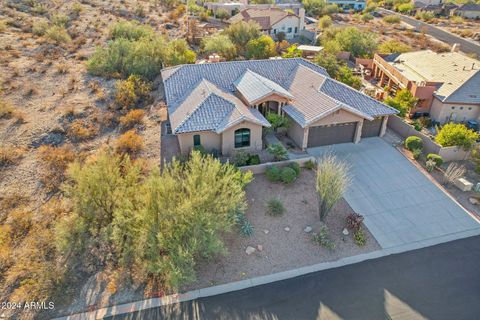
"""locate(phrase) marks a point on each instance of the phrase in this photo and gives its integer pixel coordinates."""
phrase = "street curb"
(257, 281)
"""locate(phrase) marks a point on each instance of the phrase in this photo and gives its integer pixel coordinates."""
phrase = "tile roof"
(469, 7)
(266, 18)
(209, 108)
(452, 70)
(202, 97)
(253, 87)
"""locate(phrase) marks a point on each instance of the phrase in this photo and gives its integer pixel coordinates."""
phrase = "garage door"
(332, 134)
(371, 128)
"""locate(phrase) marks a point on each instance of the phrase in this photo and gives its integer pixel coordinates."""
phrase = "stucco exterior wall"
(443, 112)
(283, 25)
(470, 14)
(228, 138)
(340, 116)
(295, 132)
(208, 139)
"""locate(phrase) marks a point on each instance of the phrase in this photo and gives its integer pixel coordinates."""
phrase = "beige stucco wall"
(441, 112)
(340, 116)
(295, 132)
(228, 138)
(208, 139)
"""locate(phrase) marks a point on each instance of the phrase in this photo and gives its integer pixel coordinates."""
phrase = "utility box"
(463, 184)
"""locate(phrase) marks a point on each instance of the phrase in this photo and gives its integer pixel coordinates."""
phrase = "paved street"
(440, 282)
(399, 203)
(465, 45)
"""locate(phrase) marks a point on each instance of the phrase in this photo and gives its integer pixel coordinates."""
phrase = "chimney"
(455, 47)
(301, 14)
(473, 66)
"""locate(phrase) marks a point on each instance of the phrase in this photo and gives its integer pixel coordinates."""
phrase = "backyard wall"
(405, 130)
(260, 168)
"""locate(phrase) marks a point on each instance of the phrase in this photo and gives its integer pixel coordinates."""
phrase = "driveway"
(399, 203)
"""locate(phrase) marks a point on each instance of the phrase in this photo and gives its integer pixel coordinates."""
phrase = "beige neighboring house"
(222, 106)
(468, 10)
(272, 21)
(446, 84)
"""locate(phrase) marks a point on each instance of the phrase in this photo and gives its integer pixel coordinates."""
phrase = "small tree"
(325, 22)
(456, 134)
(404, 101)
(393, 46)
(277, 121)
(333, 179)
(220, 44)
(222, 14)
(261, 48)
(278, 151)
(292, 52)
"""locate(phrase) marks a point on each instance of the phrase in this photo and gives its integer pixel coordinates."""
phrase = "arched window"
(242, 138)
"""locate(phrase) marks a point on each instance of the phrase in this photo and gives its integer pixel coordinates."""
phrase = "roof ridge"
(461, 86)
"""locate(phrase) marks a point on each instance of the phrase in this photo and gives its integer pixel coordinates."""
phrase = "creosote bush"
(129, 142)
(132, 118)
(57, 34)
(129, 92)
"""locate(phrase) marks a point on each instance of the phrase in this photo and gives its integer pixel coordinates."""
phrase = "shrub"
(360, 237)
(6, 110)
(130, 30)
(288, 175)
(131, 91)
(253, 160)
(322, 238)
(80, 131)
(39, 28)
(246, 229)
(416, 153)
(60, 20)
(295, 166)
(354, 221)
(9, 155)
(57, 34)
(425, 15)
(310, 165)
(277, 121)
(391, 19)
(333, 178)
(240, 158)
(413, 143)
(129, 142)
(278, 151)
(275, 207)
(453, 172)
(366, 17)
(456, 134)
(436, 158)
(55, 162)
(132, 118)
(273, 174)
(3, 26)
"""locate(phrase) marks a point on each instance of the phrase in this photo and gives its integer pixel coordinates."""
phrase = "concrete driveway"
(399, 203)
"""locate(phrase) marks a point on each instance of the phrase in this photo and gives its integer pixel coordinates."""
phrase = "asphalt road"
(439, 282)
(465, 45)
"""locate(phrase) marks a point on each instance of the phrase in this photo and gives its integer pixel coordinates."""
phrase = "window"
(289, 30)
(469, 108)
(196, 140)
(242, 138)
(461, 108)
(296, 29)
(453, 108)
(274, 31)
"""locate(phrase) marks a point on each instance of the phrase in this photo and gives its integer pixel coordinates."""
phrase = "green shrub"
(275, 207)
(60, 20)
(295, 166)
(245, 227)
(310, 165)
(436, 158)
(416, 153)
(273, 174)
(131, 91)
(58, 34)
(456, 134)
(413, 143)
(430, 164)
(322, 238)
(391, 19)
(360, 237)
(288, 175)
(240, 158)
(131, 30)
(39, 27)
(253, 160)
(278, 151)
(277, 121)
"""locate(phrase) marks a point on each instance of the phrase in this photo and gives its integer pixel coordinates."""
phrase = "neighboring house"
(233, 7)
(222, 106)
(468, 10)
(346, 5)
(446, 84)
(309, 52)
(273, 21)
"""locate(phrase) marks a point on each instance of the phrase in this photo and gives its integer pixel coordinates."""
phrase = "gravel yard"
(280, 249)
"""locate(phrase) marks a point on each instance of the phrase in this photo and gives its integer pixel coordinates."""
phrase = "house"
(446, 84)
(347, 5)
(222, 106)
(468, 10)
(234, 7)
(273, 21)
